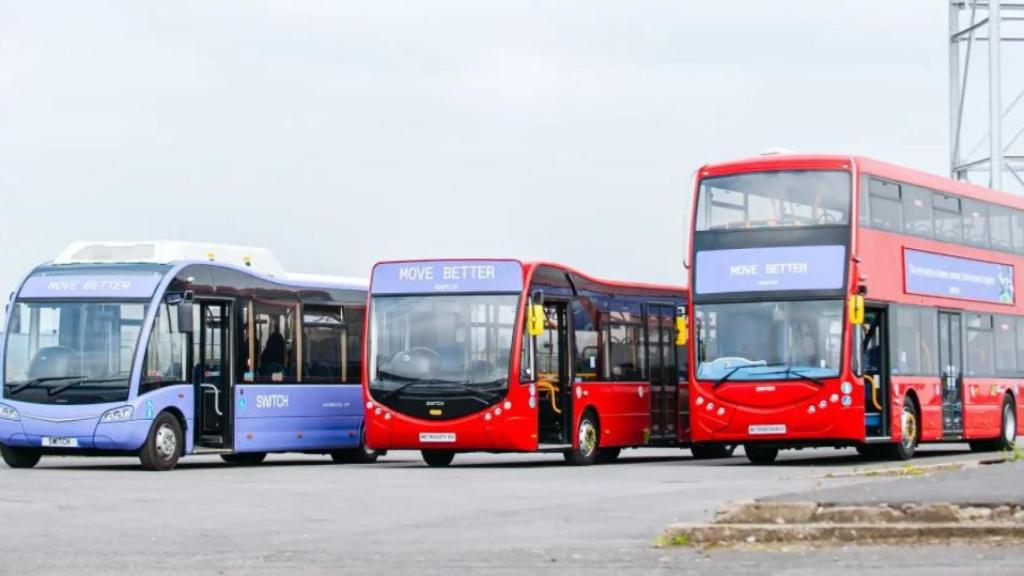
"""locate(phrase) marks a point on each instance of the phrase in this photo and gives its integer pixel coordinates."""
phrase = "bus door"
(951, 364)
(664, 374)
(554, 385)
(212, 373)
(875, 353)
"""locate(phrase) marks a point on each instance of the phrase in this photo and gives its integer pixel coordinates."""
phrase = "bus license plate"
(437, 437)
(759, 429)
(51, 442)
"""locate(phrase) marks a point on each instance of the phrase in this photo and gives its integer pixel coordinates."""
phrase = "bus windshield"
(434, 345)
(71, 352)
(783, 199)
(769, 340)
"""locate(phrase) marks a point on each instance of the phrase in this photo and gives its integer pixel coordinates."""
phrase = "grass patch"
(677, 540)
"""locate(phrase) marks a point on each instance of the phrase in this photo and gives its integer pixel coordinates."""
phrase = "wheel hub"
(909, 422)
(587, 438)
(166, 442)
(1011, 425)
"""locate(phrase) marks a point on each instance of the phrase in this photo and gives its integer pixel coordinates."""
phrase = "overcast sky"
(341, 133)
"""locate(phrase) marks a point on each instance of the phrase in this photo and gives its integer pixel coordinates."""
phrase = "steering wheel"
(53, 361)
(727, 362)
(419, 363)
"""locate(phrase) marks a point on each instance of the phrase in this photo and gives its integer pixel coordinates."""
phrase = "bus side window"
(275, 341)
(586, 340)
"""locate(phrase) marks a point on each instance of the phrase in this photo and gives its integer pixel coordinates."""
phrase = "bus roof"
(527, 268)
(863, 164)
(254, 260)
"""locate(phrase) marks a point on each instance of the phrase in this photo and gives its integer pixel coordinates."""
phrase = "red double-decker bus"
(499, 355)
(842, 301)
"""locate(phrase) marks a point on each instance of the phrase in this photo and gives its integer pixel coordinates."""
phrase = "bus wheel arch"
(173, 411)
(586, 439)
(163, 445)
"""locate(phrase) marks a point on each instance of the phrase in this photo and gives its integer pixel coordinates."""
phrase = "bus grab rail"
(874, 391)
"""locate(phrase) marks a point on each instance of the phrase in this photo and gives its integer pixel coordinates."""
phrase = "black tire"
(244, 458)
(20, 457)
(438, 458)
(711, 451)
(163, 445)
(608, 455)
(910, 430)
(588, 440)
(360, 455)
(1007, 439)
(760, 454)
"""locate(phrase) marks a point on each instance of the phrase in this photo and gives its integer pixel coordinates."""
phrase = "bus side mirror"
(535, 320)
(856, 309)
(682, 330)
(185, 313)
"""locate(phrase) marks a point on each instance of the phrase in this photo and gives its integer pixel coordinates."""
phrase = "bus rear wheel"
(588, 442)
(163, 445)
(244, 458)
(904, 449)
(438, 458)
(1007, 431)
(20, 457)
(358, 455)
(760, 454)
(711, 451)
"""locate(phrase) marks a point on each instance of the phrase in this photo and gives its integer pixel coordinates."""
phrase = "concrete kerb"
(808, 522)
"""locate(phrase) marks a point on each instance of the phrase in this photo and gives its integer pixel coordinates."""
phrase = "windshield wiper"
(389, 394)
(789, 371)
(482, 395)
(58, 389)
(15, 388)
(738, 368)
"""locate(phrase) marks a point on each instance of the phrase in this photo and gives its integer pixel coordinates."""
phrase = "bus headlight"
(846, 388)
(8, 413)
(118, 414)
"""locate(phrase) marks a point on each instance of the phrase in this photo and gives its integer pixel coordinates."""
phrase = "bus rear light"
(497, 411)
(721, 411)
(699, 401)
(377, 411)
(487, 416)
(508, 405)
(387, 416)
(533, 402)
(811, 409)
(533, 389)
(369, 405)
(823, 404)
(833, 398)
(710, 406)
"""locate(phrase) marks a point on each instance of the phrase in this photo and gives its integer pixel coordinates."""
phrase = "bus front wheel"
(20, 457)
(438, 458)
(909, 429)
(760, 454)
(588, 442)
(163, 444)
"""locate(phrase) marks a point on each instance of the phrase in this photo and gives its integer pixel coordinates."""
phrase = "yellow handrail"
(552, 390)
(874, 391)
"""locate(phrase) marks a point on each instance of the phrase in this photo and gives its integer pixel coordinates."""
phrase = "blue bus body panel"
(297, 417)
(82, 422)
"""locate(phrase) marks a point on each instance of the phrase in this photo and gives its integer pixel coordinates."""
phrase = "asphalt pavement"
(486, 514)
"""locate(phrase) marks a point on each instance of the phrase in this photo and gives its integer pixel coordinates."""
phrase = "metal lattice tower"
(986, 137)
